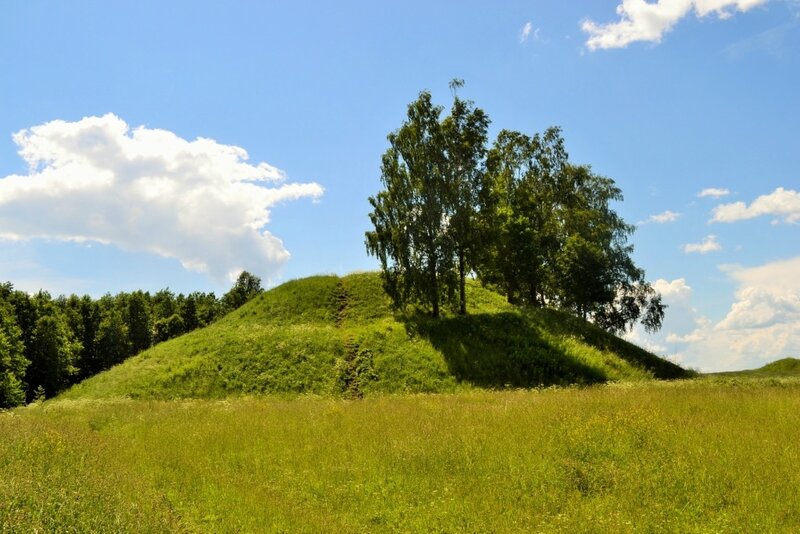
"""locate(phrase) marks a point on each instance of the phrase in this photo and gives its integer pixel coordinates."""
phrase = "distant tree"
(163, 304)
(112, 343)
(168, 328)
(208, 307)
(555, 240)
(597, 277)
(464, 133)
(522, 214)
(410, 216)
(25, 312)
(519, 215)
(245, 288)
(139, 321)
(53, 352)
(188, 313)
(70, 308)
(88, 363)
(61, 340)
(12, 359)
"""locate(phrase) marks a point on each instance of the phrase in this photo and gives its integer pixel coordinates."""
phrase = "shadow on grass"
(500, 350)
(561, 323)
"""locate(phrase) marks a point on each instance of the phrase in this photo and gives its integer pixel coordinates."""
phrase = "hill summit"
(333, 335)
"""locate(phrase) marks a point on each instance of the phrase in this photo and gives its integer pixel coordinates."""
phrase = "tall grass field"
(702, 455)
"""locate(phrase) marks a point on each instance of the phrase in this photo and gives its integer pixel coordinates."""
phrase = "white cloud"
(662, 218)
(675, 291)
(709, 244)
(757, 307)
(782, 203)
(762, 324)
(775, 277)
(692, 337)
(147, 190)
(644, 21)
(714, 192)
(527, 32)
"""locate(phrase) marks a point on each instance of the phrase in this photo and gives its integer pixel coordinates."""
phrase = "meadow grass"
(711, 455)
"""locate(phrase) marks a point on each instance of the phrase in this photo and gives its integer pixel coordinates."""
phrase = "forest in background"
(48, 344)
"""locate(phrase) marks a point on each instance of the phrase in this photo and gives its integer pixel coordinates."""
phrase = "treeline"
(516, 213)
(47, 344)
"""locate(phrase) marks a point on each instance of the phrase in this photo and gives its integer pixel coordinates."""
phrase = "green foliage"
(554, 239)
(464, 134)
(685, 456)
(90, 315)
(53, 353)
(331, 336)
(12, 359)
(139, 322)
(168, 328)
(93, 334)
(112, 343)
(519, 215)
(425, 220)
(521, 212)
(246, 287)
(410, 216)
(163, 304)
(206, 306)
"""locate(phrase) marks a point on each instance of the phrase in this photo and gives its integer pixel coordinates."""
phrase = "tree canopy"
(425, 219)
(517, 214)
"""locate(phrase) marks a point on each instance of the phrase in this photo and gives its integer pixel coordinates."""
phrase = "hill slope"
(779, 368)
(331, 335)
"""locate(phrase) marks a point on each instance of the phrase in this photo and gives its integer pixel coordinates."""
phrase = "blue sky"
(669, 99)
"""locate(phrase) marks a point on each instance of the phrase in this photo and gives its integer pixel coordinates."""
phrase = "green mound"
(778, 368)
(786, 366)
(332, 335)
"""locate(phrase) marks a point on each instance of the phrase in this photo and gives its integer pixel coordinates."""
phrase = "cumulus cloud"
(757, 307)
(147, 190)
(714, 192)
(761, 325)
(673, 291)
(640, 20)
(662, 218)
(783, 204)
(709, 244)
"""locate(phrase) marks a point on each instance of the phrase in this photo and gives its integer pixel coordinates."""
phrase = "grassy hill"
(332, 335)
(785, 367)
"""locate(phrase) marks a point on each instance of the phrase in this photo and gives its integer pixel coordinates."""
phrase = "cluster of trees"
(517, 214)
(48, 344)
